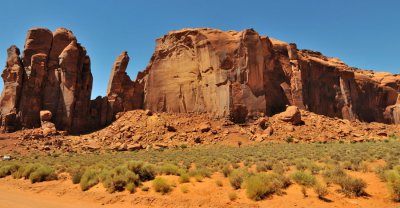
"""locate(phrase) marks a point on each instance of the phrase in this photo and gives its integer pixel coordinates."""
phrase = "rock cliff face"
(53, 74)
(243, 74)
(237, 75)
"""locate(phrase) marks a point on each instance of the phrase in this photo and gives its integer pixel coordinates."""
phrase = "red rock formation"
(123, 94)
(9, 100)
(242, 74)
(54, 75)
(239, 75)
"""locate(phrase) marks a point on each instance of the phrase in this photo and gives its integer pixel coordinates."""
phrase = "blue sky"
(363, 33)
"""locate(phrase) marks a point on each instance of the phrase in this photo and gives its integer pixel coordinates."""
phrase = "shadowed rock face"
(239, 75)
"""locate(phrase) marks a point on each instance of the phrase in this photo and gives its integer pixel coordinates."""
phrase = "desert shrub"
(184, 189)
(302, 164)
(161, 185)
(25, 171)
(303, 178)
(278, 168)
(226, 170)
(333, 174)
(289, 139)
(235, 165)
(184, 178)
(237, 177)
(42, 173)
(169, 169)
(352, 186)
(260, 185)
(380, 172)
(219, 183)
(118, 178)
(314, 168)
(320, 190)
(145, 188)
(202, 171)
(393, 183)
(131, 187)
(145, 171)
(89, 179)
(232, 196)
(263, 166)
(199, 178)
(76, 177)
(7, 170)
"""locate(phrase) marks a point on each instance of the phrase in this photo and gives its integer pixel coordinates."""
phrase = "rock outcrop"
(235, 75)
(53, 74)
(123, 94)
(242, 74)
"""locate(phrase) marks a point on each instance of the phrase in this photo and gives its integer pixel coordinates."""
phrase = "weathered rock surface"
(53, 74)
(242, 74)
(123, 94)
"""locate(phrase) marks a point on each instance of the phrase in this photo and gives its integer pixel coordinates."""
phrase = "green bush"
(261, 185)
(145, 171)
(352, 186)
(169, 169)
(161, 185)
(184, 178)
(119, 177)
(263, 166)
(76, 177)
(184, 189)
(42, 173)
(237, 177)
(232, 196)
(25, 171)
(278, 168)
(89, 179)
(131, 187)
(393, 183)
(7, 170)
(303, 178)
(333, 174)
(320, 190)
(145, 188)
(226, 170)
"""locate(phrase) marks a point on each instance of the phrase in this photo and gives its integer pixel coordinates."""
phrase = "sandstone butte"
(236, 75)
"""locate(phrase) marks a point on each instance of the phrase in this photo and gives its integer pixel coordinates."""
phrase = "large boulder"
(45, 115)
(291, 114)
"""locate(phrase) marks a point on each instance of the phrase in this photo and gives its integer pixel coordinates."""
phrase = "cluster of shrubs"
(393, 181)
(349, 185)
(34, 172)
(127, 176)
(269, 162)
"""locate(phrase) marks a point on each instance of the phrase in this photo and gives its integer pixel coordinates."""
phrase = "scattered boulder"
(204, 127)
(291, 115)
(48, 129)
(45, 115)
(262, 123)
(134, 147)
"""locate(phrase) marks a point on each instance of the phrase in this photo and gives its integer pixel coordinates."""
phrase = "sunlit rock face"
(242, 74)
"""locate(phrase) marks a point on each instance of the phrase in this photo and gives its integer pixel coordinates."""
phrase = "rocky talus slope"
(139, 129)
(231, 75)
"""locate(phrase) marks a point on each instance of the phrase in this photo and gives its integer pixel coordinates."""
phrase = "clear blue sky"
(363, 33)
